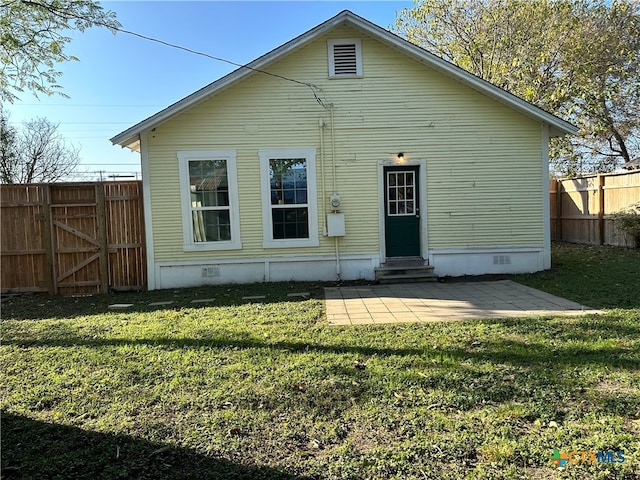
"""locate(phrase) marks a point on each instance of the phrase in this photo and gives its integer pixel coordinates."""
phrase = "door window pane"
(401, 193)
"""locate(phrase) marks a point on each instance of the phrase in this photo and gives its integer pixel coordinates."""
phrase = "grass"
(268, 390)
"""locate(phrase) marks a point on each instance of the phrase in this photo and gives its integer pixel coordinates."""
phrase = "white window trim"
(344, 41)
(312, 201)
(185, 196)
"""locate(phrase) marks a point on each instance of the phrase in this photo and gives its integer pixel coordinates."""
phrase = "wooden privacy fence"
(581, 208)
(73, 238)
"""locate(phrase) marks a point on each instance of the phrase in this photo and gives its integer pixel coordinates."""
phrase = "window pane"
(290, 223)
(391, 178)
(288, 177)
(410, 207)
(211, 226)
(208, 183)
(401, 193)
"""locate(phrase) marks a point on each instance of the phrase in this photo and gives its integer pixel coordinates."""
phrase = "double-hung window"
(289, 197)
(209, 192)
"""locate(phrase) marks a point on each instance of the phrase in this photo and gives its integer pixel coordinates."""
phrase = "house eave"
(557, 126)
(222, 83)
(131, 142)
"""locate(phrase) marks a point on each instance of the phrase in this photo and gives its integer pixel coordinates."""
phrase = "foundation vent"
(210, 272)
(502, 260)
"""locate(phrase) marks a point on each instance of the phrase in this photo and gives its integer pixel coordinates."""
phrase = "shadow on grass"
(559, 346)
(38, 307)
(34, 449)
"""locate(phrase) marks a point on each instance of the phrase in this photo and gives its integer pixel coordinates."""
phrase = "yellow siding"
(484, 185)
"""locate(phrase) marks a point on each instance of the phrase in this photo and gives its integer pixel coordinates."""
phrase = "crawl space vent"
(501, 260)
(210, 271)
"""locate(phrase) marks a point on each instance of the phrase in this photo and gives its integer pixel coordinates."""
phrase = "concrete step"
(408, 278)
(405, 270)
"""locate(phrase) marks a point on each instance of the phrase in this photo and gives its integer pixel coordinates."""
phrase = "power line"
(97, 105)
(80, 123)
(66, 15)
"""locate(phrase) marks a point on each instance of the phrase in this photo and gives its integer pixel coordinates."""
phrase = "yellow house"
(335, 155)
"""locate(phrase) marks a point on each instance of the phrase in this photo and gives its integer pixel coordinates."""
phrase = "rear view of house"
(334, 154)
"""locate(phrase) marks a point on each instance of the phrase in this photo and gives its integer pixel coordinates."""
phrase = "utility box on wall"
(335, 224)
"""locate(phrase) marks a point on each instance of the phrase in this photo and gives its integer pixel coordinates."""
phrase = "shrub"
(628, 220)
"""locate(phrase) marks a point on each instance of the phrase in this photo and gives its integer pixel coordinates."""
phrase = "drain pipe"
(337, 260)
(335, 183)
(321, 126)
(333, 147)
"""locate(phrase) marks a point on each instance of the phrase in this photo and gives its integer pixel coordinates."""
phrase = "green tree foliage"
(33, 41)
(578, 59)
(37, 153)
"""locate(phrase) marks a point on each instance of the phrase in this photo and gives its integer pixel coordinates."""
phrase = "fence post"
(143, 237)
(601, 181)
(48, 232)
(101, 218)
(559, 188)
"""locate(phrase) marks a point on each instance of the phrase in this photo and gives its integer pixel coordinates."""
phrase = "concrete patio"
(430, 302)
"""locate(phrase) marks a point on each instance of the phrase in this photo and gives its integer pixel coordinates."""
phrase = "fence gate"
(78, 239)
(72, 238)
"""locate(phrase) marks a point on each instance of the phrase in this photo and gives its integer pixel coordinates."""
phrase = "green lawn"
(268, 390)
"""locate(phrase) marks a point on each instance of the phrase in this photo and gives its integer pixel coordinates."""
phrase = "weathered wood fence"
(81, 238)
(581, 208)
(74, 238)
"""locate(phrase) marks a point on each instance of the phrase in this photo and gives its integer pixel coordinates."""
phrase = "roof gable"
(130, 137)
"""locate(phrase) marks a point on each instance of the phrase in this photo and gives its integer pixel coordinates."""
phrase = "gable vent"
(345, 60)
(345, 57)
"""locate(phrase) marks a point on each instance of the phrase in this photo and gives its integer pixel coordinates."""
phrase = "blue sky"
(121, 79)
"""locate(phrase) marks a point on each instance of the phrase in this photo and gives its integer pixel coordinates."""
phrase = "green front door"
(402, 211)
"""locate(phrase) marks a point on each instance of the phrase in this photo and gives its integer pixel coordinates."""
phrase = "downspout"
(333, 149)
(321, 125)
(335, 183)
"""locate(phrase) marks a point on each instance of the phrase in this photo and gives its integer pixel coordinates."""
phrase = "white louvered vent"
(501, 260)
(345, 60)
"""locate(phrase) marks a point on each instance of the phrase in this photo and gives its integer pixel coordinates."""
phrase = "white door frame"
(422, 178)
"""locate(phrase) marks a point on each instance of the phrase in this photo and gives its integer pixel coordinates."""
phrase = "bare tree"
(8, 148)
(35, 154)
